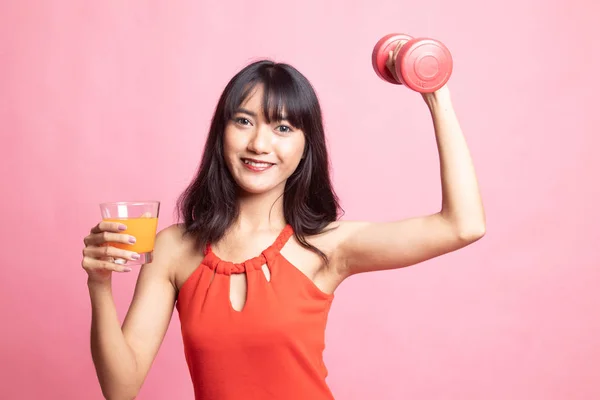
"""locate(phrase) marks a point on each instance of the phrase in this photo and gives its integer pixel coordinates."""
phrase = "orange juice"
(143, 229)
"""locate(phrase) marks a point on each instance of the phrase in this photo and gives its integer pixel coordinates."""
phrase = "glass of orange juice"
(141, 220)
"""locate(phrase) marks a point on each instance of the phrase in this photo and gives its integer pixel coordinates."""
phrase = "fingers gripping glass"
(141, 220)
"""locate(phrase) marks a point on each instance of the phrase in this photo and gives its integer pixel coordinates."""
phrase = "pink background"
(111, 100)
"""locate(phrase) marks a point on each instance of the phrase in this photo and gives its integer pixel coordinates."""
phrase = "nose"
(260, 142)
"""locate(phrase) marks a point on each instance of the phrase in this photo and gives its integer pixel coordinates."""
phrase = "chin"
(253, 187)
(256, 189)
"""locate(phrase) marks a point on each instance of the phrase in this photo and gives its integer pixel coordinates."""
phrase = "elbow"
(120, 393)
(120, 396)
(467, 229)
(472, 233)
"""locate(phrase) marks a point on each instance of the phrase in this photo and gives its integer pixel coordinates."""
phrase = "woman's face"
(261, 156)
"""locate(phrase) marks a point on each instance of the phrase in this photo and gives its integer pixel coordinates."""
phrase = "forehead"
(270, 106)
(255, 97)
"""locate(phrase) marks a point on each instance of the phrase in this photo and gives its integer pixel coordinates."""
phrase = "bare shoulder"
(185, 257)
(325, 275)
(171, 243)
(172, 236)
(174, 249)
(330, 239)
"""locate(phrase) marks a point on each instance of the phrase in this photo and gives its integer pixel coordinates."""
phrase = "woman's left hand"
(433, 98)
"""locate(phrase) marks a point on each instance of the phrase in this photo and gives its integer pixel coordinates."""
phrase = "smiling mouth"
(256, 163)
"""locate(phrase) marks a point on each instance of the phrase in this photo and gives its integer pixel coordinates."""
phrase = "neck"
(260, 212)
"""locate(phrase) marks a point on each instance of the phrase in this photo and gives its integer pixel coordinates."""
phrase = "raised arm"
(366, 246)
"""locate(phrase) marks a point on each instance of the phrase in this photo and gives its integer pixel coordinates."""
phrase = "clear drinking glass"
(141, 220)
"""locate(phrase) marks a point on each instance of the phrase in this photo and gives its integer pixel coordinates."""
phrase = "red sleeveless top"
(273, 348)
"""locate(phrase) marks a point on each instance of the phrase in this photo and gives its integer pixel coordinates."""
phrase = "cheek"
(293, 151)
(231, 145)
(230, 151)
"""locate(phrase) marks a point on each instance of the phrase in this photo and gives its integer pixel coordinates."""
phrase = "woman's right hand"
(99, 256)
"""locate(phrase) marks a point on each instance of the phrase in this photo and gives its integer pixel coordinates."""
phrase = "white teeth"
(257, 164)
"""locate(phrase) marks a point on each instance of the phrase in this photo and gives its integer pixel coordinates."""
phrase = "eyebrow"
(244, 111)
(253, 114)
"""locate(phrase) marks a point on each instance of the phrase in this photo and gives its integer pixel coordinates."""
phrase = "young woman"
(253, 267)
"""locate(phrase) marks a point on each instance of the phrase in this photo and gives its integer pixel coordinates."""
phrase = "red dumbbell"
(422, 64)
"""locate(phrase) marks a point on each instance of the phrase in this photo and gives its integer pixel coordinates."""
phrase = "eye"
(284, 129)
(242, 121)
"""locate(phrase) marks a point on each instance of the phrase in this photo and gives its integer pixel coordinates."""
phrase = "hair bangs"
(282, 99)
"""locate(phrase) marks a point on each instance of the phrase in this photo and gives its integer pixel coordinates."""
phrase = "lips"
(256, 165)
(255, 162)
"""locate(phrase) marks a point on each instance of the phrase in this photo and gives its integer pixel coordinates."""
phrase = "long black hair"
(209, 204)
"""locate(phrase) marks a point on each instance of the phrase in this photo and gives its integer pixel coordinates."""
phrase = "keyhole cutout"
(238, 288)
(267, 272)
